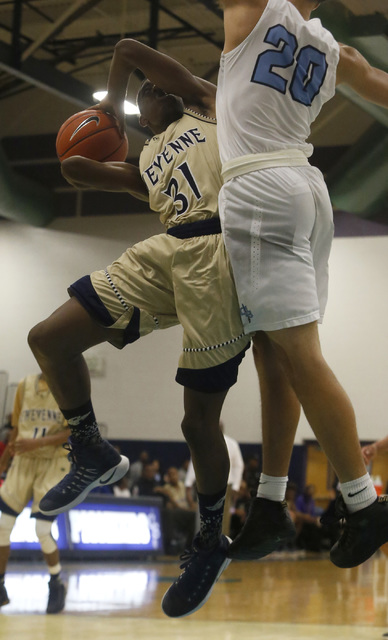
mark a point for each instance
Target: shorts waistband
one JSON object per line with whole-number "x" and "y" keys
{"x": 256, "y": 161}
{"x": 198, "y": 228}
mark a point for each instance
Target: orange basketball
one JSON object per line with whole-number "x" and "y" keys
{"x": 92, "y": 134}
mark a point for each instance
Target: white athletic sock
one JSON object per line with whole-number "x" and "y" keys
{"x": 272, "y": 487}
{"x": 359, "y": 493}
{"x": 55, "y": 569}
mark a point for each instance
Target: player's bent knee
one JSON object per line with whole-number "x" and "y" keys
{"x": 37, "y": 339}
{"x": 7, "y": 523}
{"x": 43, "y": 532}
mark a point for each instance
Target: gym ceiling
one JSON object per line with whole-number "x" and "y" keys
{"x": 55, "y": 53}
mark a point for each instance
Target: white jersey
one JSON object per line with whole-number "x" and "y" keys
{"x": 273, "y": 85}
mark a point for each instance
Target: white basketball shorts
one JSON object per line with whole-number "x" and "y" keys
{"x": 278, "y": 228}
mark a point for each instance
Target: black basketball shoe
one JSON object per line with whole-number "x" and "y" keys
{"x": 57, "y": 596}
{"x": 3, "y": 594}
{"x": 267, "y": 528}
{"x": 363, "y": 533}
{"x": 93, "y": 465}
{"x": 201, "y": 570}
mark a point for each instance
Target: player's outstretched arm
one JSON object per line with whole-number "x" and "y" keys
{"x": 356, "y": 72}
{"x": 370, "y": 451}
{"x": 163, "y": 71}
{"x": 240, "y": 17}
{"x": 83, "y": 173}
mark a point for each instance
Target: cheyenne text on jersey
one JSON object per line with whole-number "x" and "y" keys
{"x": 189, "y": 138}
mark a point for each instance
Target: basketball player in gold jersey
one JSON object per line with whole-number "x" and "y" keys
{"x": 182, "y": 276}
{"x": 39, "y": 430}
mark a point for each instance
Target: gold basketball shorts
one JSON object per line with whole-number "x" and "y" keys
{"x": 168, "y": 280}
{"x": 30, "y": 478}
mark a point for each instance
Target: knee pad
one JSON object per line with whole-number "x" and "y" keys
{"x": 7, "y": 523}
{"x": 43, "y": 532}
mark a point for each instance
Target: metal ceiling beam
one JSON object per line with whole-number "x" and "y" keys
{"x": 43, "y": 75}
{"x": 358, "y": 181}
{"x": 154, "y": 24}
{"x": 340, "y": 21}
{"x": 212, "y": 5}
{"x": 23, "y": 200}
{"x": 200, "y": 33}
{"x": 69, "y": 16}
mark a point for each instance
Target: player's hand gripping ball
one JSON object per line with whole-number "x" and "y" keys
{"x": 92, "y": 134}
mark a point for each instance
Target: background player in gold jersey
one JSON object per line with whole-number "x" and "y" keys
{"x": 182, "y": 276}
{"x": 39, "y": 461}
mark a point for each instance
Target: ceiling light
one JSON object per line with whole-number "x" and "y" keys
{"x": 129, "y": 107}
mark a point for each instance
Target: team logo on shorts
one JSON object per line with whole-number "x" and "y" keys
{"x": 244, "y": 311}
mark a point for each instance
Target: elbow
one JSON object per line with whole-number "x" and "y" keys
{"x": 71, "y": 167}
{"x": 127, "y": 49}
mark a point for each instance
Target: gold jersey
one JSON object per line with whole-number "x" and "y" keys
{"x": 36, "y": 415}
{"x": 182, "y": 170}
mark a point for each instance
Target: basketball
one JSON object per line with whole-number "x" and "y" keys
{"x": 92, "y": 134}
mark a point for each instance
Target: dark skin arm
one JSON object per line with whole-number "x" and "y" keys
{"x": 163, "y": 71}
{"x": 166, "y": 73}
{"x": 83, "y": 173}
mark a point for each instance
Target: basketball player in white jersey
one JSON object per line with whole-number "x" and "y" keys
{"x": 182, "y": 276}
{"x": 39, "y": 461}
{"x": 277, "y": 69}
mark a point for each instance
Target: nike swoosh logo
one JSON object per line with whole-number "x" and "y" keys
{"x": 351, "y": 495}
{"x": 217, "y": 506}
{"x": 95, "y": 119}
{"x": 74, "y": 422}
{"x": 110, "y": 478}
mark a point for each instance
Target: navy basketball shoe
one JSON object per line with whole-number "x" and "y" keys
{"x": 57, "y": 596}
{"x": 201, "y": 570}
{"x": 93, "y": 465}
{"x": 267, "y": 528}
{"x": 3, "y": 594}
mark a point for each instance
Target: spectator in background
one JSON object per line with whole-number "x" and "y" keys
{"x": 121, "y": 488}
{"x": 305, "y": 502}
{"x": 234, "y": 480}
{"x": 252, "y": 473}
{"x": 178, "y": 515}
{"x": 136, "y": 468}
{"x": 241, "y": 509}
{"x": 308, "y": 527}
{"x": 182, "y": 471}
{"x": 147, "y": 483}
{"x": 158, "y": 474}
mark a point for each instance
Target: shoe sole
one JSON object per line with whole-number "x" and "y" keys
{"x": 351, "y": 563}
{"x": 224, "y": 565}
{"x": 109, "y": 477}
{"x": 264, "y": 550}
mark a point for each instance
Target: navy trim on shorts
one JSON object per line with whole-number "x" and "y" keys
{"x": 6, "y": 509}
{"x": 208, "y": 227}
{"x": 132, "y": 330}
{"x": 85, "y": 293}
{"x": 40, "y": 516}
{"x": 213, "y": 379}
